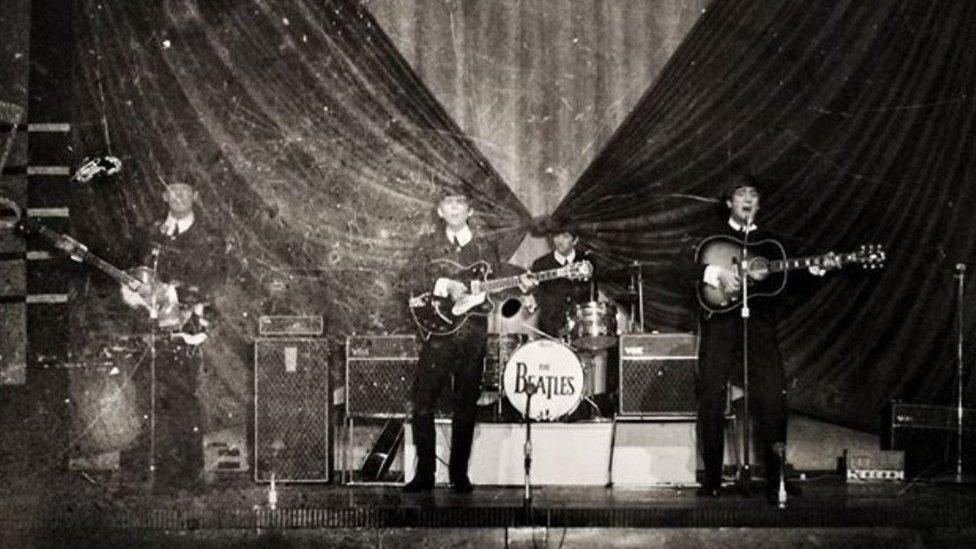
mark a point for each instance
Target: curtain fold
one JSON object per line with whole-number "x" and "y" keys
{"x": 318, "y": 154}
{"x": 858, "y": 117}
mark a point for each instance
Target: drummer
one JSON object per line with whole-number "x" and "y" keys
{"x": 557, "y": 298}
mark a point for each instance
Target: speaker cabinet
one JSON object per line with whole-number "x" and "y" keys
{"x": 657, "y": 374}
{"x": 928, "y": 436}
{"x": 380, "y": 370}
{"x": 291, "y": 410}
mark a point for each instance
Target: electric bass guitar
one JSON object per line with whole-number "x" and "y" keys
{"x": 157, "y": 296}
{"x": 442, "y": 315}
{"x": 765, "y": 267}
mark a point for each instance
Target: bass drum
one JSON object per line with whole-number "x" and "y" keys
{"x": 556, "y": 372}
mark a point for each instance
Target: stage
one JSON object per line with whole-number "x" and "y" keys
{"x": 79, "y": 508}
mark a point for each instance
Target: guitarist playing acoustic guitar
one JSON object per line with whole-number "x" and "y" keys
{"x": 720, "y": 346}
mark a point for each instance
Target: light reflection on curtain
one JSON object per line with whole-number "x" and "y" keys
{"x": 318, "y": 155}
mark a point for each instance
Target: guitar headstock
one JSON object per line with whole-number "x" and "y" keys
{"x": 870, "y": 256}
{"x": 580, "y": 270}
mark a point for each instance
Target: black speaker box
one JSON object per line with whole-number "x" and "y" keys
{"x": 657, "y": 374}
{"x": 929, "y": 437}
{"x": 291, "y": 410}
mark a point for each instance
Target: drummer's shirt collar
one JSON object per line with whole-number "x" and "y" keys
{"x": 564, "y": 259}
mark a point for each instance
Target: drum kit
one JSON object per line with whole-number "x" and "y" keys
{"x": 567, "y": 371}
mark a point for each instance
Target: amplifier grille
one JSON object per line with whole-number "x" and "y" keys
{"x": 657, "y": 374}
{"x": 291, "y": 416}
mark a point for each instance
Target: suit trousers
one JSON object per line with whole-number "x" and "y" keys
{"x": 459, "y": 356}
{"x": 720, "y": 361}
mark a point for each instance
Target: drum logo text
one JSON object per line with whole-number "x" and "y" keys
{"x": 547, "y": 385}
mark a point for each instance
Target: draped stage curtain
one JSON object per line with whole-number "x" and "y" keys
{"x": 318, "y": 154}
{"x": 858, "y": 118}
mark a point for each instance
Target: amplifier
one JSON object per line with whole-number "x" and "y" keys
{"x": 288, "y": 325}
{"x": 382, "y": 347}
{"x": 927, "y": 434}
{"x": 863, "y": 465}
{"x": 657, "y": 374}
{"x": 379, "y": 374}
{"x": 925, "y": 416}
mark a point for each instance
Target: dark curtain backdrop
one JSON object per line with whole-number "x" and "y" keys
{"x": 858, "y": 117}
{"x": 318, "y": 154}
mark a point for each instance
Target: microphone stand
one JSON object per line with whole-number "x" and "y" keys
{"x": 153, "y": 316}
{"x": 530, "y": 389}
{"x": 960, "y": 279}
{"x": 745, "y": 472}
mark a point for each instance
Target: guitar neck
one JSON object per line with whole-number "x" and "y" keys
{"x": 789, "y": 264}
{"x": 119, "y": 275}
{"x": 509, "y": 282}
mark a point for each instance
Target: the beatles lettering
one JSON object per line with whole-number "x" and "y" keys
{"x": 548, "y": 385}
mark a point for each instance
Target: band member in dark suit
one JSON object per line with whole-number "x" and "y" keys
{"x": 187, "y": 262}
{"x": 556, "y": 298}
{"x": 720, "y": 350}
{"x": 459, "y": 354}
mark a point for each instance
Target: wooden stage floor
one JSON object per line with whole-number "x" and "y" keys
{"x": 825, "y": 501}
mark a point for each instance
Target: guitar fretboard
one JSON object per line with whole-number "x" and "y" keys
{"x": 781, "y": 265}
{"x": 501, "y": 284}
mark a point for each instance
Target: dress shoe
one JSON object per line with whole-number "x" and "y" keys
{"x": 418, "y": 485}
{"x": 462, "y": 486}
{"x": 707, "y": 491}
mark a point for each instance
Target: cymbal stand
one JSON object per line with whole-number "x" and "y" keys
{"x": 637, "y": 285}
{"x": 640, "y": 293}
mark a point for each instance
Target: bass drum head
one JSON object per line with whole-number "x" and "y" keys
{"x": 551, "y": 366}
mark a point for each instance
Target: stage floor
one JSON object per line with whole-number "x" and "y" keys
{"x": 93, "y": 503}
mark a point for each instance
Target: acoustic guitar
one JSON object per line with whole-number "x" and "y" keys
{"x": 765, "y": 267}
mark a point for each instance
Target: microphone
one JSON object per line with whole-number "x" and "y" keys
{"x": 530, "y": 388}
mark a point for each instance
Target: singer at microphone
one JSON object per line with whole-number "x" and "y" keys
{"x": 721, "y": 344}
{"x": 182, "y": 263}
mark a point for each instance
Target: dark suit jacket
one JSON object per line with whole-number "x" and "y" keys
{"x": 556, "y": 298}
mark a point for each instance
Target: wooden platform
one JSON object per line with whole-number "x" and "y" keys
{"x": 76, "y": 508}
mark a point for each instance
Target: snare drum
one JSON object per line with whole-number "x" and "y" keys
{"x": 556, "y": 372}
{"x": 594, "y": 325}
